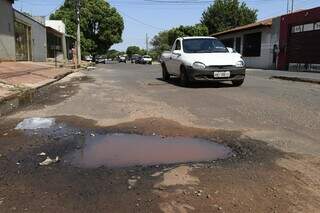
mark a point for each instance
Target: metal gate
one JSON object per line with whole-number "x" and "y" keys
{"x": 303, "y": 48}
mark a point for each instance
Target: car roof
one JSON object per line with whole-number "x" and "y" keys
{"x": 197, "y": 37}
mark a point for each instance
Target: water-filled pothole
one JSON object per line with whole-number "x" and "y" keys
{"x": 125, "y": 150}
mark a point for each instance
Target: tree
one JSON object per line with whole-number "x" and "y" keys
{"x": 181, "y": 31}
{"x": 131, "y": 50}
{"x": 113, "y": 54}
{"x": 160, "y": 42}
{"x": 101, "y": 25}
{"x": 143, "y": 52}
{"x": 225, "y": 14}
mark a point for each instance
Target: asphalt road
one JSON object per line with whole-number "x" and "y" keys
{"x": 272, "y": 124}
{"x": 284, "y": 113}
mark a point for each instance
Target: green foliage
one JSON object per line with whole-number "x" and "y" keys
{"x": 196, "y": 30}
{"x": 160, "y": 41}
{"x": 132, "y": 50}
{"x": 225, "y": 14}
{"x": 143, "y": 52}
{"x": 113, "y": 53}
{"x": 154, "y": 55}
{"x": 165, "y": 39}
{"x": 101, "y": 24}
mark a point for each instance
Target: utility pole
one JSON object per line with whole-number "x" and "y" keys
{"x": 290, "y": 10}
{"x": 78, "y": 34}
{"x": 292, "y": 6}
{"x": 147, "y": 43}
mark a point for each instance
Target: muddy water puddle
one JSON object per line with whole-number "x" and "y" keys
{"x": 124, "y": 150}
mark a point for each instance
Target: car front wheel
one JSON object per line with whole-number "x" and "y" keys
{"x": 165, "y": 74}
{"x": 237, "y": 83}
{"x": 184, "y": 81}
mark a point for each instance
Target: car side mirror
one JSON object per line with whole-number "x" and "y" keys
{"x": 230, "y": 50}
{"x": 177, "y": 52}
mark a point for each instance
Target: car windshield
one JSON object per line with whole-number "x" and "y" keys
{"x": 203, "y": 46}
{"x": 146, "y": 56}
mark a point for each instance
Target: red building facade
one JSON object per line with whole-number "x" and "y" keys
{"x": 299, "y": 41}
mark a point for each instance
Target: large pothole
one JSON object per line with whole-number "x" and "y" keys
{"x": 124, "y": 150}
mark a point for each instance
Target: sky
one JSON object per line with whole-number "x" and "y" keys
{"x": 148, "y": 17}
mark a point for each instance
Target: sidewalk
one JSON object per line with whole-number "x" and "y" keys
{"x": 19, "y": 77}
{"x": 308, "y": 77}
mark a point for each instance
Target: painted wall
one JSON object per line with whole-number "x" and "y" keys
{"x": 38, "y": 36}
{"x": 297, "y": 18}
{"x": 7, "y": 42}
{"x": 269, "y": 38}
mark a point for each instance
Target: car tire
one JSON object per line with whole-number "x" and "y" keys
{"x": 165, "y": 74}
{"x": 237, "y": 83}
{"x": 184, "y": 80}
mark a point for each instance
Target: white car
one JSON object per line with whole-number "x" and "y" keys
{"x": 146, "y": 60}
{"x": 202, "y": 59}
{"x": 122, "y": 59}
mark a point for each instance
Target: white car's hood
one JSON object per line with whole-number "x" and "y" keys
{"x": 213, "y": 59}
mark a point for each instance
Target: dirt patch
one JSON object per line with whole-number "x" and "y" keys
{"x": 250, "y": 181}
{"x": 178, "y": 176}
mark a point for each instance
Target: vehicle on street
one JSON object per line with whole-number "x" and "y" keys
{"x": 122, "y": 59}
{"x": 202, "y": 59}
{"x": 134, "y": 58}
{"x": 100, "y": 59}
{"x": 88, "y": 58}
{"x": 146, "y": 59}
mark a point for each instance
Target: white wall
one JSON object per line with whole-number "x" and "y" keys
{"x": 58, "y": 25}
{"x": 7, "y": 42}
{"x": 269, "y": 37}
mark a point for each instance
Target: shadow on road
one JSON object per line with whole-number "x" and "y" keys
{"x": 197, "y": 85}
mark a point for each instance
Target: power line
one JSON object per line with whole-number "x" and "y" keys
{"x": 52, "y": 11}
{"x": 140, "y": 22}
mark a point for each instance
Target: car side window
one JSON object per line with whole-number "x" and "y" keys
{"x": 178, "y": 45}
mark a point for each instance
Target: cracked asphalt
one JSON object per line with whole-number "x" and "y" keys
{"x": 272, "y": 125}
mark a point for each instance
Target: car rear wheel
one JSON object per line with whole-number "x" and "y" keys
{"x": 237, "y": 83}
{"x": 184, "y": 81}
{"x": 165, "y": 74}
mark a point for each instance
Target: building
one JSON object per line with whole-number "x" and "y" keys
{"x": 30, "y": 38}
{"x": 258, "y": 42}
{"x": 27, "y": 38}
{"x": 290, "y": 42}
{"x": 300, "y": 41}
{"x": 21, "y": 37}
{"x": 7, "y": 47}
{"x": 57, "y": 38}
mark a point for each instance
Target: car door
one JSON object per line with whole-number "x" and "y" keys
{"x": 175, "y": 60}
{"x": 169, "y": 60}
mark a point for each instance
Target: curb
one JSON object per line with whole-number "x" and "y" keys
{"x": 13, "y": 101}
{"x": 296, "y": 79}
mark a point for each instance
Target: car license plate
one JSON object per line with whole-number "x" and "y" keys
{"x": 221, "y": 74}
